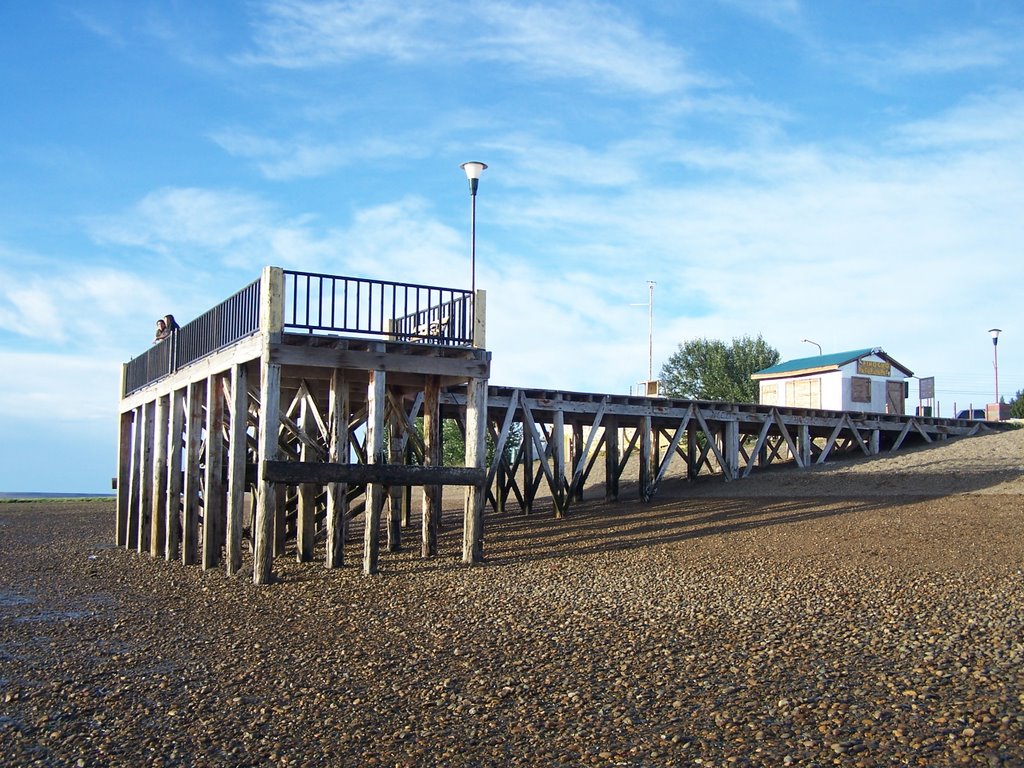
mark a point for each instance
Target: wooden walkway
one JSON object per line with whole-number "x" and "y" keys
{"x": 282, "y": 414}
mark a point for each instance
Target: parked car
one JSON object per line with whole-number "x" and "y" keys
{"x": 976, "y": 413}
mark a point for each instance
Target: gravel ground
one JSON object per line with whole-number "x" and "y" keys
{"x": 864, "y": 613}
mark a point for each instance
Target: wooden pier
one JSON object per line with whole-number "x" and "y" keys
{"x": 305, "y": 400}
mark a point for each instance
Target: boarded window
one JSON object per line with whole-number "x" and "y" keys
{"x": 769, "y": 394}
{"x": 860, "y": 389}
{"x": 804, "y": 393}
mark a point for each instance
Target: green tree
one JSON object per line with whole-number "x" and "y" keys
{"x": 1017, "y": 405}
{"x": 709, "y": 369}
{"x": 453, "y": 444}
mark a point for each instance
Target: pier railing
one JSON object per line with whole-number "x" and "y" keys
{"x": 314, "y": 304}
{"x": 317, "y": 303}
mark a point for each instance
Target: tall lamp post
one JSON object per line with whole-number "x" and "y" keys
{"x": 995, "y": 359}
{"x": 473, "y": 170}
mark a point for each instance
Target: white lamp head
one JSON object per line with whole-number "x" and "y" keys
{"x": 473, "y": 170}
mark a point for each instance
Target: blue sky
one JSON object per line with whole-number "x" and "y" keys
{"x": 847, "y": 172}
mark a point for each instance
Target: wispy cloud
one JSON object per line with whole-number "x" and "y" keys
{"x": 307, "y": 157}
{"x": 986, "y": 121}
{"x": 785, "y": 14}
{"x": 74, "y": 308}
{"x": 587, "y": 41}
{"x": 948, "y": 52}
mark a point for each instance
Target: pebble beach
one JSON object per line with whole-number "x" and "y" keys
{"x": 868, "y": 612}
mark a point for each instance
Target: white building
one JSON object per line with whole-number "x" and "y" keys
{"x": 863, "y": 380}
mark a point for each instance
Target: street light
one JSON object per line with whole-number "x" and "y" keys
{"x": 473, "y": 170}
{"x": 808, "y": 341}
{"x": 995, "y": 359}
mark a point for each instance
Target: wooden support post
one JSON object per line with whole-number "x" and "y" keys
{"x": 157, "y": 530}
{"x": 731, "y": 449}
{"x": 476, "y": 457}
{"x": 431, "y": 458}
{"x": 271, "y": 324}
{"x": 213, "y": 486}
{"x": 646, "y": 455}
{"x": 305, "y": 513}
{"x": 376, "y": 396}
{"x": 611, "y": 460}
{"x": 576, "y": 457}
{"x": 558, "y": 494}
{"x": 135, "y": 492}
{"x": 804, "y": 438}
{"x": 237, "y": 451}
{"x": 193, "y": 445}
{"x": 267, "y": 450}
{"x": 280, "y": 518}
{"x": 395, "y": 493}
{"x": 175, "y": 480}
{"x": 875, "y": 441}
{"x": 529, "y": 470}
{"x": 480, "y": 319}
{"x": 124, "y": 479}
{"x": 338, "y": 453}
{"x": 692, "y": 452}
{"x": 146, "y": 478}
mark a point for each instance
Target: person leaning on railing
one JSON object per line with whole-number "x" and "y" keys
{"x": 165, "y": 326}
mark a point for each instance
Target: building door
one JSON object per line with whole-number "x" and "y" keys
{"x": 894, "y": 400}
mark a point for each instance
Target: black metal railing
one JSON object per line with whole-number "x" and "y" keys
{"x": 317, "y": 303}
{"x": 231, "y": 320}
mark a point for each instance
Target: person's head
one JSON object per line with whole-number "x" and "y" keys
{"x": 169, "y": 321}
{"x": 161, "y": 324}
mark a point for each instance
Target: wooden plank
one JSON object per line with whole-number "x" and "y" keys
{"x": 124, "y": 481}
{"x": 146, "y": 478}
{"x": 338, "y": 453}
{"x": 238, "y": 407}
{"x": 381, "y": 361}
{"x": 758, "y": 446}
{"x": 175, "y": 480}
{"x": 193, "y": 446}
{"x": 611, "y": 459}
{"x": 784, "y": 431}
{"x": 306, "y": 491}
{"x": 644, "y": 481}
{"x": 502, "y": 439}
{"x": 396, "y": 457}
{"x": 214, "y": 489}
{"x": 556, "y": 442}
{"x": 432, "y": 458}
{"x": 579, "y": 475}
{"x": 476, "y": 458}
{"x": 376, "y": 404}
{"x": 712, "y": 442}
{"x": 673, "y": 447}
{"x": 158, "y": 532}
{"x": 266, "y": 496}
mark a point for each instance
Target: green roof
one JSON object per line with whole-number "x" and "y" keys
{"x": 834, "y": 360}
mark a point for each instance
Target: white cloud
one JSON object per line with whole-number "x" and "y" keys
{"x": 72, "y": 308}
{"x": 307, "y": 157}
{"x": 301, "y": 34}
{"x": 588, "y": 41}
{"x": 582, "y": 40}
{"x": 66, "y": 388}
{"x": 987, "y": 121}
{"x": 951, "y": 52}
